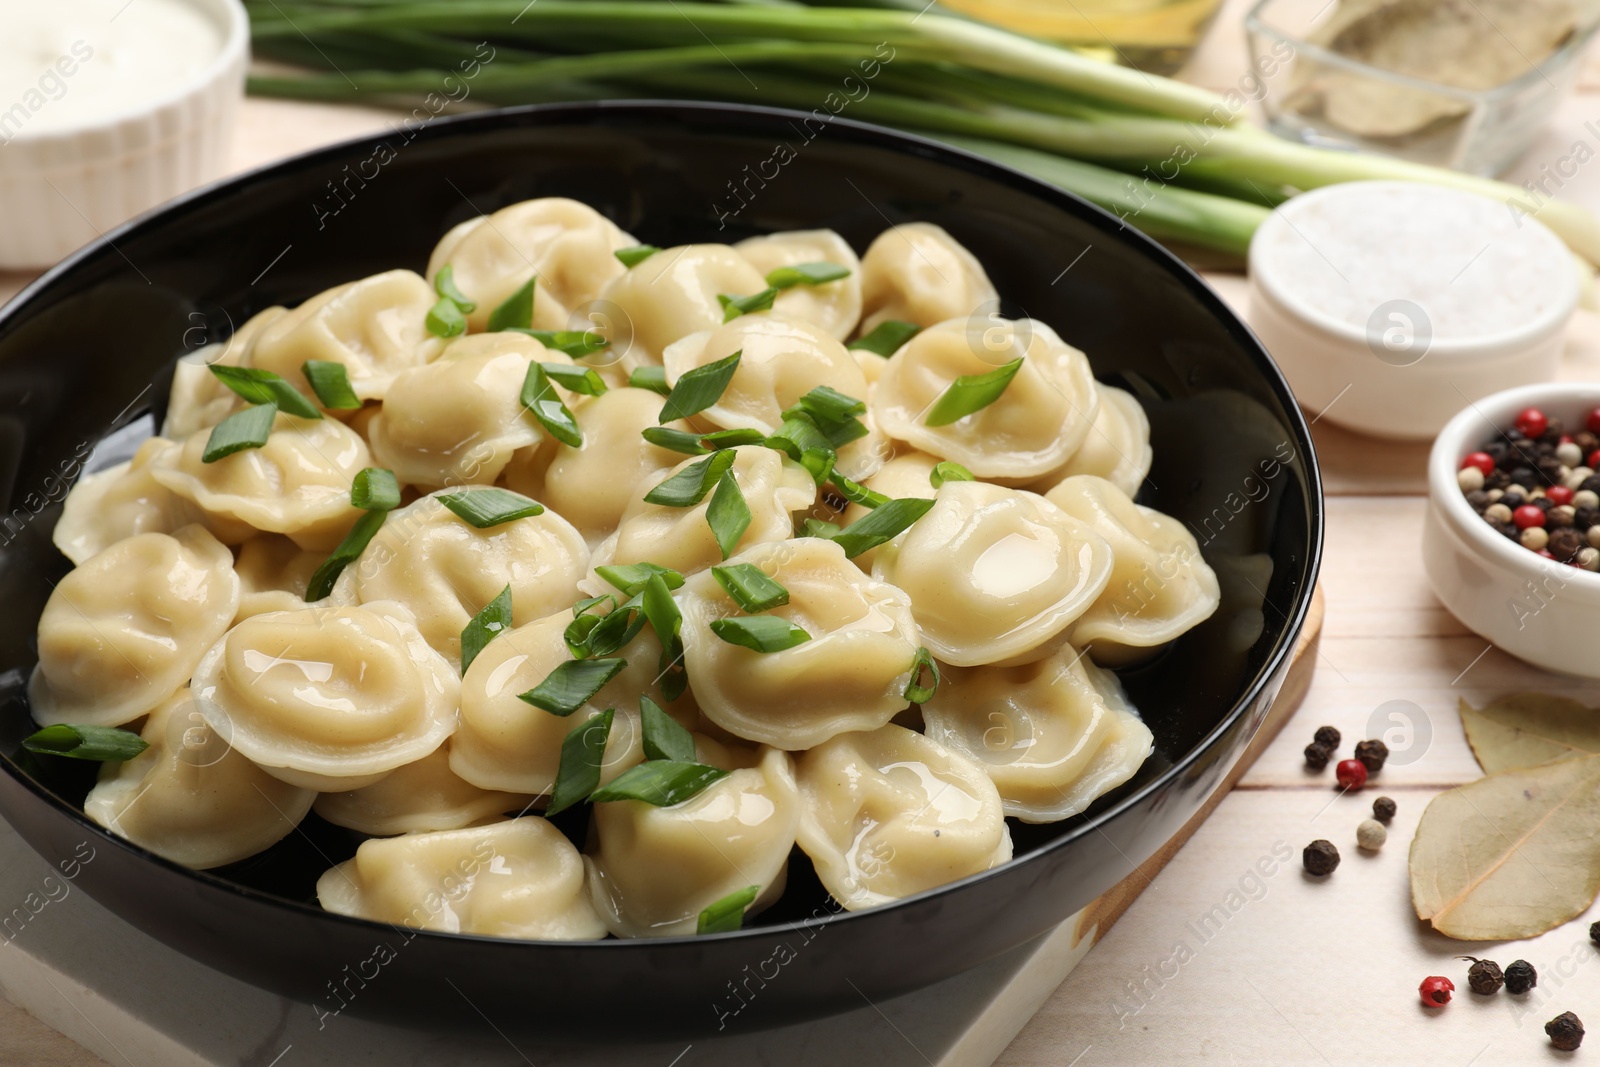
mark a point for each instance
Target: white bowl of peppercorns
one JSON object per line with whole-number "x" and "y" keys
{"x": 1511, "y": 542}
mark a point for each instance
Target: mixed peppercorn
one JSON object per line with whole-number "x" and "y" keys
{"x": 1537, "y": 485}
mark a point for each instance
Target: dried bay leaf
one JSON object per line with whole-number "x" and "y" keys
{"x": 1511, "y": 855}
{"x": 1528, "y": 729}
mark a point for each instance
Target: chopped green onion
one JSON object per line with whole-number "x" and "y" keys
{"x": 264, "y": 387}
{"x": 760, "y": 633}
{"x": 486, "y": 625}
{"x": 857, "y": 493}
{"x": 444, "y": 283}
{"x": 631, "y": 578}
{"x": 540, "y": 397}
{"x": 660, "y": 782}
{"x": 818, "y": 463}
{"x": 575, "y": 343}
{"x": 103, "y": 744}
{"x": 572, "y": 684}
{"x": 375, "y": 489}
{"x": 690, "y": 485}
{"x": 886, "y": 522}
{"x": 583, "y": 380}
{"x": 915, "y": 692}
{"x": 445, "y": 319}
{"x": 750, "y": 586}
{"x": 732, "y": 438}
{"x": 971, "y": 392}
{"x": 241, "y": 430}
{"x": 583, "y": 753}
{"x": 807, "y": 274}
{"x": 887, "y": 337}
{"x": 588, "y": 604}
{"x": 728, "y": 514}
{"x": 578, "y": 633}
{"x": 698, "y": 389}
{"x": 734, "y": 306}
{"x": 632, "y": 257}
{"x": 833, "y": 413}
{"x": 727, "y": 914}
{"x": 797, "y": 435}
{"x": 484, "y": 508}
{"x": 820, "y": 528}
{"x": 651, "y": 378}
{"x": 675, "y": 440}
{"x": 947, "y": 471}
{"x": 331, "y": 382}
{"x": 516, "y": 311}
{"x": 666, "y": 620}
{"x": 594, "y": 636}
{"x": 349, "y": 550}
{"x": 664, "y": 736}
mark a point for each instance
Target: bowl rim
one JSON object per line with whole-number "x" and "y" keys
{"x": 735, "y": 115}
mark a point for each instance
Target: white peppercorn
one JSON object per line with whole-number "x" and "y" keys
{"x": 1535, "y": 538}
{"x": 1470, "y": 479}
{"x": 1578, "y": 476}
{"x": 1500, "y": 514}
{"x": 1589, "y": 559}
{"x": 1570, "y": 454}
{"x": 1594, "y": 535}
{"x": 1371, "y": 835}
{"x": 1586, "y": 499}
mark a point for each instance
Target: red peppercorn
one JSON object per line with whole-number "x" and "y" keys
{"x": 1436, "y": 991}
{"x": 1482, "y": 460}
{"x": 1533, "y": 423}
{"x": 1528, "y": 515}
{"x": 1594, "y": 460}
{"x": 1593, "y": 421}
{"x": 1352, "y": 774}
{"x": 1558, "y": 495}
{"x": 1547, "y": 554}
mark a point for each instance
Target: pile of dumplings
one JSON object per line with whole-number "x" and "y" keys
{"x": 185, "y": 618}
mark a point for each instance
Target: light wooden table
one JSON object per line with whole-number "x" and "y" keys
{"x": 1215, "y": 963}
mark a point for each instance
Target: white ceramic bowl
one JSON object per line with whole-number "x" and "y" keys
{"x": 1534, "y": 608}
{"x": 63, "y": 188}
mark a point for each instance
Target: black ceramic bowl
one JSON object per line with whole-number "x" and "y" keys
{"x": 79, "y": 351}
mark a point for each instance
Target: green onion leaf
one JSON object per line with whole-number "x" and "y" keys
{"x": 818, "y": 463}
{"x": 698, "y": 389}
{"x": 947, "y": 471}
{"x": 515, "y": 312}
{"x": 588, "y": 604}
{"x": 651, "y": 378}
{"x": 584, "y": 380}
{"x": 806, "y": 274}
{"x": 349, "y": 550}
{"x": 103, "y": 744}
{"x": 728, "y": 514}
{"x": 750, "y": 586}
{"x": 486, "y": 625}
{"x": 797, "y": 435}
{"x": 886, "y": 522}
{"x": 484, "y": 508}
{"x": 727, "y": 914}
{"x": 331, "y": 382}
{"x": 915, "y": 692}
{"x": 690, "y": 485}
{"x": 734, "y": 306}
{"x": 760, "y": 633}
{"x": 632, "y": 257}
{"x": 583, "y": 752}
{"x": 575, "y": 343}
{"x": 674, "y": 440}
{"x": 971, "y": 392}
{"x": 445, "y": 319}
{"x": 375, "y": 489}
{"x": 572, "y": 684}
{"x": 241, "y": 430}
{"x": 595, "y": 636}
{"x": 578, "y": 633}
{"x": 887, "y": 337}
{"x": 666, "y": 620}
{"x": 660, "y": 782}
{"x": 541, "y": 398}
{"x": 825, "y": 405}
{"x": 444, "y": 283}
{"x": 664, "y": 736}
{"x": 264, "y": 387}
{"x": 732, "y": 438}
{"x": 820, "y": 528}
{"x": 857, "y": 493}
{"x": 631, "y": 578}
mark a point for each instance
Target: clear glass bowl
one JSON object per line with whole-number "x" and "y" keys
{"x": 1319, "y": 97}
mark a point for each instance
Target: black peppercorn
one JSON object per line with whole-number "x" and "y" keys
{"x": 1497, "y": 450}
{"x": 1328, "y": 736}
{"x": 1587, "y": 442}
{"x": 1320, "y": 858}
{"x": 1513, "y": 499}
{"x": 1478, "y": 500}
{"x": 1514, "y": 436}
{"x": 1526, "y": 477}
{"x": 1521, "y": 977}
{"x": 1583, "y": 518}
{"x": 1383, "y": 809}
{"x": 1564, "y": 544}
{"x": 1566, "y": 1032}
{"x": 1317, "y": 756}
{"x": 1372, "y": 754}
{"x": 1496, "y": 479}
{"x": 1594, "y": 933}
{"x": 1591, "y": 483}
{"x": 1484, "y": 976}
{"x": 1552, "y": 430}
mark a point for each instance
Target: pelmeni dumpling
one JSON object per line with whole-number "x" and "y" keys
{"x": 904, "y": 473}
{"x": 918, "y": 273}
{"x": 118, "y": 502}
{"x": 566, "y": 246}
{"x": 122, "y": 632}
{"x": 192, "y": 799}
{"x": 652, "y": 870}
{"x": 376, "y": 327}
{"x": 422, "y": 796}
{"x": 297, "y": 484}
{"x": 1117, "y": 448}
{"x": 889, "y": 813}
{"x": 445, "y": 570}
{"x": 519, "y": 878}
{"x": 1160, "y": 585}
{"x": 328, "y": 698}
{"x": 1032, "y": 428}
{"x": 832, "y": 306}
{"x": 198, "y": 400}
{"x": 1047, "y": 737}
{"x": 273, "y": 575}
{"x": 773, "y": 485}
{"x": 851, "y": 675}
{"x": 781, "y": 360}
{"x": 995, "y": 575}
{"x": 671, "y": 295}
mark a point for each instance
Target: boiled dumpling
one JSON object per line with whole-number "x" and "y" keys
{"x": 1047, "y": 737}
{"x": 274, "y": 573}
{"x": 889, "y": 813}
{"x": 652, "y": 870}
{"x": 1032, "y": 428}
{"x": 995, "y": 575}
{"x": 671, "y": 295}
{"x": 118, "y": 502}
{"x": 329, "y": 698}
{"x": 198, "y": 400}
{"x": 851, "y": 674}
{"x": 297, "y": 484}
{"x": 905, "y": 474}
{"x": 1117, "y": 448}
{"x": 376, "y": 327}
{"x": 918, "y": 273}
{"x": 445, "y": 570}
{"x": 519, "y": 879}
{"x": 422, "y": 796}
{"x": 192, "y": 799}
{"x": 121, "y": 634}
{"x": 833, "y": 306}
{"x": 1160, "y": 585}
{"x": 567, "y": 246}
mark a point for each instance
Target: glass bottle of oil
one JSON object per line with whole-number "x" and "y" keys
{"x": 1153, "y": 35}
